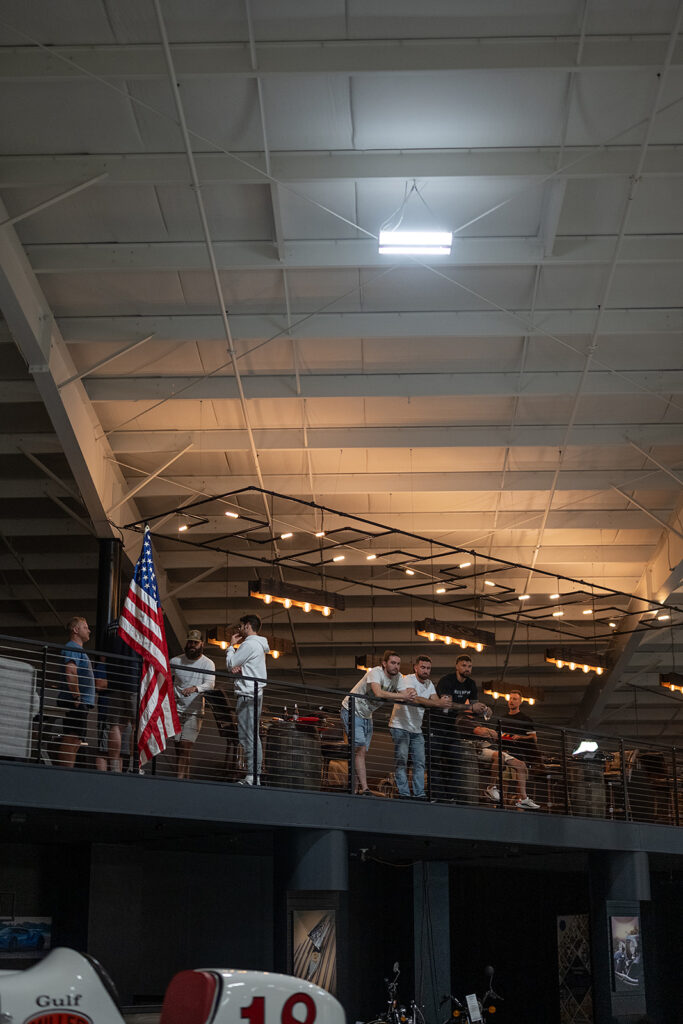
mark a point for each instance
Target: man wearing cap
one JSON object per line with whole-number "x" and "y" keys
{"x": 193, "y": 673}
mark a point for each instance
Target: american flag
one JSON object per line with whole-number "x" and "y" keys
{"x": 141, "y": 626}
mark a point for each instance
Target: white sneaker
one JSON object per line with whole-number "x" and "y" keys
{"x": 527, "y": 802}
{"x": 493, "y": 793}
{"x": 248, "y": 780}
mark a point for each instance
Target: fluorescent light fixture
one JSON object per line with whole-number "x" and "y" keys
{"x": 464, "y": 565}
{"x": 415, "y": 243}
{"x": 587, "y": 611}
{"x": 489, "y": 583}
{"x": 370, "y": 558}
{"x": 338, "y": 558}
{"x": 585, "y": 747}
{"x": 320, "y": 533}
{"x": 663, "y": 617}
{"x": 232, "y": 515}
{"x": 553, "y": 597}
{"x": 286, "y": 536}
{"x": 524, "y": 597}
{"x": 410, "y": 572}
{"x": 613, "y": 625}
{"x": 558, "y": 615}
{"x": 441, "y": 590}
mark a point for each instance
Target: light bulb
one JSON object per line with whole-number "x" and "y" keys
{"x": 495, "y": 695}
{"x": 287, "y": 603}
{"x": 307, "y": 607}
{"x": 559, "y": 663}
{"x": 599, "y": 670}
{"x": 613, "y": 625}
{"x": 480, "y": 648}
{"x": 326, "y": 611}
{"x": 532, "y": 701}
{"x": 182, "y": 528}
{"x": 463, "y": 644}
{"x": 224, "y": 645}
{"x": 410, "y": 572}
{"x": 267, "y": 599}
{"x": 432, "y": 637}
{"x": 572, "y": 666}
{"x": 586, "y": 668}
{"x": 448, "y": 640}
{"x": 276, "y": 654}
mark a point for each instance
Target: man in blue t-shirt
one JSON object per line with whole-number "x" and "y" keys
{"x": 77, "y": 690}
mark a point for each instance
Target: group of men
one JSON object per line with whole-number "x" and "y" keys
{"x": 114, "y": 688}
{"x": 457, "y": 717}
{"x": 457, "y": 722}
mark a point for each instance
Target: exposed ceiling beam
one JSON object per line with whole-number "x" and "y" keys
{"x": 338, "y": 165}
{"x": 447, "y": 324}
{"x": 568, "y": 251}
{"x": 660, "y": 578}
{"x": 337, "y": 56}
{"x": 374, "y": 385}
{"x": 77, "y": 428}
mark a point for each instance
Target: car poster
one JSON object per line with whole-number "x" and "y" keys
{"x": 24, "y": 938}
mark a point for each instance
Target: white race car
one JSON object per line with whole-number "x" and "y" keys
{"x": 72, "y": 988}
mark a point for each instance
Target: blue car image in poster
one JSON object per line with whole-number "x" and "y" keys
{"x": 22, "y": 936}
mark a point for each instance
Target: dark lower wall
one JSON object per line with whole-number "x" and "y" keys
{"x": 157, "y": 911}
{"x": 508, "y": 918}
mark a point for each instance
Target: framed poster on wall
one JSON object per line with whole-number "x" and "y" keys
{"x": 312, "y": 941}
{"x": 627, "y": 954}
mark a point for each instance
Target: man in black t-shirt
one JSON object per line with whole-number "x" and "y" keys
{"x": 446, "y": 748}
{"x": 519, "y": 735}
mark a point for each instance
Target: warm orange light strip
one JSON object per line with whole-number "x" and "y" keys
{"x": 290, "y": 602}
{"x": 450, "y": 640}
{"x": 223, "y": 644}
{"x": 571, "y": 665}
{"x": 496, "y": 695}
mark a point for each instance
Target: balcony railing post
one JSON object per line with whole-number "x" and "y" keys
{"x": 565, "y": 774}
{"x": 255, "y": 737}
{"x": 352, "y": 744}
{"x": 41, "y": 707}
{"x": 428, "y": 754}
{"x": 499, "y": 730}
{"x": 624, "y": 781}
{"x": 674, "y": 766}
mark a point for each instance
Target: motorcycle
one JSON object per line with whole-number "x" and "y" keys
{"x": 67, "y": 987}
{"x": 475, "y": 1010}
{"x": 396, "y": 1012}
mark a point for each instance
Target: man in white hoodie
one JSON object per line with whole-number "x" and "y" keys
{"x": 248, "y": 665}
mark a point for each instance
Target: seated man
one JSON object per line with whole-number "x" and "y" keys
{"x": 469, "y": 725}
{"x": 519, "y": 735}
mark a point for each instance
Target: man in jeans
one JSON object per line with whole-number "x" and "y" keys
{"x": 405, "y": 726}
{"x": 248, "y": 665}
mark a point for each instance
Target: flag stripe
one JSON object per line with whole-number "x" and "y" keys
{"x": 141, "y": 626}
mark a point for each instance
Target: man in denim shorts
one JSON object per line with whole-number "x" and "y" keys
{"x": 379, "y": 683}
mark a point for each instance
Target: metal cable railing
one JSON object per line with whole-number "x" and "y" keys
{"x": 302, "y": 743}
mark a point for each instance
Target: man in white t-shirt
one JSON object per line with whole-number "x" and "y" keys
{"x": 405, "y": 726}
{"x": 379, "y": 683}
{"x": 193, "y": 674}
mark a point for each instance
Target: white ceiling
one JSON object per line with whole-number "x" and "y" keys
{"x": 522, "y": 397}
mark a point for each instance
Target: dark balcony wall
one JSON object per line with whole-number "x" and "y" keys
{"x": 157, "y": 911}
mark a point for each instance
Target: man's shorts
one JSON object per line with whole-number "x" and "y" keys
{"x": 122, "y": 706}
{"x": 75, "y": 722}
{"x": 362, "y": 728}
{"x": 490, "y": 753}
{"x": 190, "y": 727}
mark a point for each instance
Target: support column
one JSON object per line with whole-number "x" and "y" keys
{"x": 108, "y": 588}
{"x": 619, "y": 883}
{"x": 431, "y": 936}
{"x": 312, "y": 935}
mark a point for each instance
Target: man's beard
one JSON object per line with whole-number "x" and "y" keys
{"x": 192, "y": 654}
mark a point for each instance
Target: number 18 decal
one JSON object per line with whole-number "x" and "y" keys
{"x": 255, "y": 1013}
